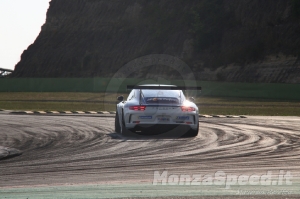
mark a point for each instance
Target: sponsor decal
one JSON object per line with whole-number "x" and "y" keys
{"x": 145, "y": 117}
{"x": 163, "y": 108}
{"x": 183, "y": 117}
{"x": 161, "y": 99}
{"x": 163, "y": 119}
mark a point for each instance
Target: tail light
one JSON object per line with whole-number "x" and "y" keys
{"x": 187, "y": 109}
{"x": 137, "y": 108}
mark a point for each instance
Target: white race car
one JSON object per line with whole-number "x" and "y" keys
{"x": 155, "y": 109}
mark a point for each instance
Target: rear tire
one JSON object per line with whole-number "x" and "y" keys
{"x": 193, "y": 132}
{"x": 117, "y": 123}
{"x": 124, "y": 131}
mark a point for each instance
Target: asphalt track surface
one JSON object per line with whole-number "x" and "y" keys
{"x": 84, "y": 157}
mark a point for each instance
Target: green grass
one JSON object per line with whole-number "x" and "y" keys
{"x": 247, "y": 106}
{"x": 100, "y": 85}
{"x": 57, "y": 101}
{"x": 98, "y": 102}
{"x": 57, "y": 96}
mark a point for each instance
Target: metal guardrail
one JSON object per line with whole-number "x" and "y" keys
{"x": 4, "y": 72}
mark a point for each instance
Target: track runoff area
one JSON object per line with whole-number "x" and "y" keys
{"x": 82, "y": 157}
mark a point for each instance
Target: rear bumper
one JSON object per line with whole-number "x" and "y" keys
{"x": 156, "y": 129}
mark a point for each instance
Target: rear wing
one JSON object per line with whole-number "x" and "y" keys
{"x": 130, "y": 87}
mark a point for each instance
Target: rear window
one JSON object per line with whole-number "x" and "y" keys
{"x": 161, "y": 96}
{"x": 161, "y": 100}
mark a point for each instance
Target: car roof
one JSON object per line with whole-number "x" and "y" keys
{"x": 158, "y": 85}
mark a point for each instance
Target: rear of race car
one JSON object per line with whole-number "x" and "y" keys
{"x": 158, "y": 119}
{"x": 161, "y": 111}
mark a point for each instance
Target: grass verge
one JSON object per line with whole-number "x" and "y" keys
{"x": 100, "y": 102}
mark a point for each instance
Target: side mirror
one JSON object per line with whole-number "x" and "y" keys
{"x": 191, "y": 99}
{"x": 120, "y": 98}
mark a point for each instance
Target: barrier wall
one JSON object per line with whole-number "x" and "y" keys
{"x": 221, "y": 89}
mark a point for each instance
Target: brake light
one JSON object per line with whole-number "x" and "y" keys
{"x": 187, "y": 109}
{"x": 137, "y": 108}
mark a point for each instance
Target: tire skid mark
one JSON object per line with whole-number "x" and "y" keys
{"x": 81, "y": 149}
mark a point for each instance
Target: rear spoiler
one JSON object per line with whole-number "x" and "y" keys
{"x": 130, "y": 87}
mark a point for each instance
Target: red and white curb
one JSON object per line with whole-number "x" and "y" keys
{"x": 104, "y": 112}
{"x": 63, "y": 112}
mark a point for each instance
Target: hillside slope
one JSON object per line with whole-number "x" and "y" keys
{"x": 249, "y": 40}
